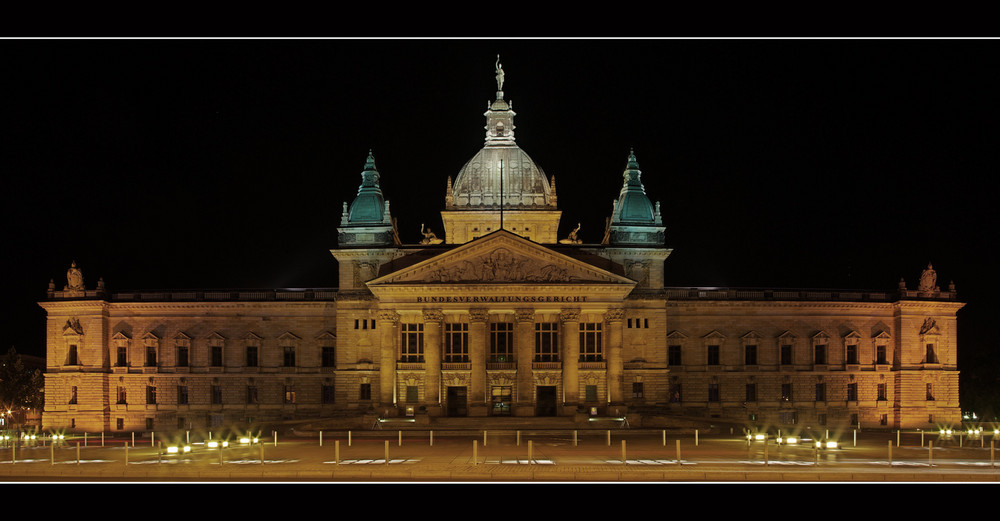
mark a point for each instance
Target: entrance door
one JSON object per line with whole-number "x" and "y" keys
{"x": 502, "y": 398}
{"x": 457, "y": 401}
{"x": 546, "y": 400}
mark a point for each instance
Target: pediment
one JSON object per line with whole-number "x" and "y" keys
{"x": 182, "y": 336}
{"x": 251, "y": 336}
{"x": 501, "y": 258}
{"x": 326, "y": 335}
{"x": 883, "y": 335}
{"x": 853, "y": 335}
{"x": 714, "y": 334}
{"x": 289, "y": 336}
{"x": 677, "y": 335}
{"x": 821, "y": 336}
{"x": 787, "y": 335}
{"x": 752, "y": 335}
{"x": 150, "y": 336}
{"x": 120, "y": 336}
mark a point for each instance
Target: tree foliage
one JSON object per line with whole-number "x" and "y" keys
{"x": 20, "y": 388}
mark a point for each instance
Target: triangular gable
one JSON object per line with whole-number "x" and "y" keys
{"x": 326, "y": 335}
{"x": 787, "y": 335}
{"x": 287, "y": 335}
{"x": 181, "y": 336}
{"x": 216, "y": 336}
{"x": 821, "y": 336}
{"x": 853, "y": 335}
{"x": 714, "y": 335}
{"x": 120, "y": 336}
{"x": 150, "y": 336}
{"x": 501, "y": 258}
{"x": 752, "y": 335}
{"x": 253, "y": 336}
{"x": 882, "y": 335}
{"x": 677, "y": 335}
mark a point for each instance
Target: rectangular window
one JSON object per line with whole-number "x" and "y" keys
{"x": 546, "y": 342}
{"x": 412, "y": 394}
{"x": 182, "y": 356}
{"x": 365, "y": 392}
{"x": 852, "y": 354}
{"x": 786, "y": 392}
{"x": 883, "y": 419}
{"x": 931, "y": 358}
{"x": 288, "y": 359}
{"x": 252, "y": 359}
{"x": 122, "y": 356}
{"x": 120, "y": 423}
{"x": 216, "y": 395}
{"x": 71, "y": 358}
{"x": 456, "y": 343}
{"x": 881, "y": 396}
{"x": 788, "y": 417}
{"x": 412, "y": 343}
{"x": 750, "y": 357}
{"x": 713, "y": 392}
{"x": 930, "y": 392}
{"x": 852, "y": 392}
{"x": 151, "y": 394}
{"x": 673, "y": 355}
{"x": 328, "y": 394}
{"x": 149, "y": 424}
{"x": 72, "y": 395}
{"x": 289, "y": 394}
{"x": 821, "y": 392}
{"x": 150, "y": 356}
{"x": 591, "y": 392}
{"x": 637, "y": 391}
{"x": 329, "y": 356}
{"x": 216, "y": 356}
{"x": 880, "y": 355}
{"x": 675, "y": 393}
{"x": 252, "y": 394}
{"x": 502, "y": 342}
{"x": 182, "y": 395}
{"x": 591, "y": 349}
{"x": 786, "y": 354}
{"x": 122, "y": 396}
{"x": 819, "y": 354}
{"x": 751, "y": 393}
{"x": 713, "y": 355}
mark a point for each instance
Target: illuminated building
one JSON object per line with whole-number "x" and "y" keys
{"x": 500, "y": 317}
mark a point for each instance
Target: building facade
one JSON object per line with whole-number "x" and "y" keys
{"x": 500, "y": 317}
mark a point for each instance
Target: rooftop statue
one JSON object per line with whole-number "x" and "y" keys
{"x": 499, "y": 74}
{"x": 928, "y": 279}
{"x": 74, "y": 278}
{"x": 572, "y": 238}
{"x": 429, "y": 237}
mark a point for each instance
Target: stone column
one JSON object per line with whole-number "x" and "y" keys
{"x": 477, "y": 356}
{"x": 569, "y": 335}
{"x": 615, "y": 375}
{"x": 432, "y": 357}
{"x": 525, "y": 343}
{"x": 388, "y": 354}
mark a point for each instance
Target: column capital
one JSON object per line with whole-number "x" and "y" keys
{"x": 478, "y": 314}
{"x": 570, "y": 315}
{"x": 388, "y": 315}
{"x": 615, "y": 315}
{"x": 433, "y": 315}
{"x": 524, "y": 315}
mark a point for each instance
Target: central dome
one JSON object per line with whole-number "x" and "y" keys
{"x": 478, "y": 183}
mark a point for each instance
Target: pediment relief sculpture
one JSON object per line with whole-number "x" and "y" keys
{"x": 929, "y": 326}
{"x": 73, "y": 325}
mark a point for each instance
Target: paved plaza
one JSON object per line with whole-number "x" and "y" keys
{"x": 514, "y": 456}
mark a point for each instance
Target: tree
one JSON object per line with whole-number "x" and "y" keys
{"x": 20, "y": 388}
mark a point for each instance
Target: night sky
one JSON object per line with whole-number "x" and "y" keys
{"x": 173, "y": 164}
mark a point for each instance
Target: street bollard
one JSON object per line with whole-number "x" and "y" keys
{"x": 275, "y": 438}
{"x": 78, "y": 453}
{"x": 261, "y": 453}
{"x": 855, "y": 437}
{"x": 890, "y": 452}
{"x": 152, "y": 438}
{"x": 921, "y": 438}
{"x": 133, "y": 438}
{"x": 187, "y": 436}
{"x": 960, "y": 440}
{"x": 574, "y": 438}
{"x": 126, "y": 453}
{"x": 484, "y": 438}
{"x": 678, "y": 451}
{"x": 400, "y": 438}
{"x": 159, "y": 455}
{"x": 609, "y": 438}
{"x": 827, "y": 435}
{"x": 53, "y": 455}
{"x": 84, "y": 438}
{"x": 696, "y": 437}
{"x": 518, "y": 438}
{"x": 102, "y": 438}
{"x": 348, "y": 438}
{"x": 320, "y": 438}
{"x": 930, "y": 452}
{"x": 531, "y": 452}
{"x": 992, "y": 459}
{"x": 623, "y": 453}
{"x": 475, "y": 452}
{"x": 220, "y": 455}
{"x": 336, "y": 452}
{"x": 664, "y": 437}
{"x": 387, "y": 452}
{"x": 432, "y": 439}
{"x": 766, "y": 463}
{"x": 897, "y": 437}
